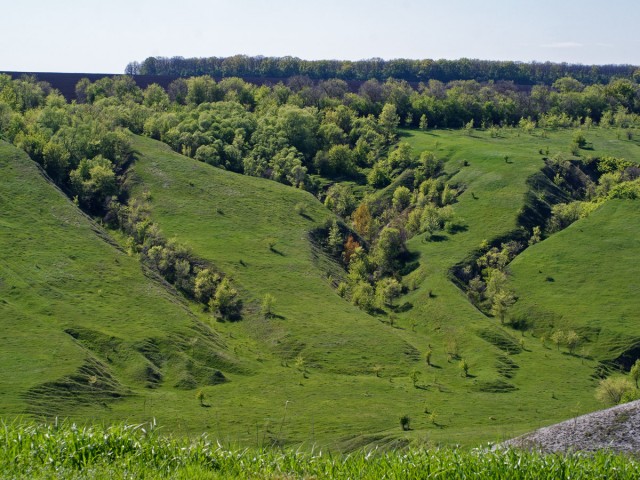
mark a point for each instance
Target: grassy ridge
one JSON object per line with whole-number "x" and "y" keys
{"x": 84, "y": 328}
{"x": 66, "y": 451}
{"x": 222, "y": 216}
{"x": 585, "y": 278}
{"x": 305, "y": 376}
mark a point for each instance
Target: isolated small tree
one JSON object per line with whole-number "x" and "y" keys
{"x": 405, "y": 422}
{"x": 635, "y": 372}
{"x": 300, "y": 363}
{"x": 468, "y": 127}
{"x": 300, "y": 208}
{"x": 267, "y": 305}
{"x": 415, "y": 374}
{"x": 464, "y": 367}
{"x": 427, "y": 357}
{"x": 200, "y": 396}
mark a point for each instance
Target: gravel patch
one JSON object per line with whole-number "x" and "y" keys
{"x": 616, "y": 429}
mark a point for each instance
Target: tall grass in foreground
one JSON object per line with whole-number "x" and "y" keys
{"x": 29, "y": 450}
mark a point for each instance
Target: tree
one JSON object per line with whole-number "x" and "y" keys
{"x": 225, "y": 301}
{"x": 388, "y": 248}
{"x": 571, "y": 340}
{"x": 502, "y": 300}
{"x": 267, "y": 305}
{"x": 387, "y": 290}
{"x": 415, "y": 374}
{"x": 424, "y": 123}
{"x": 334, "y": 239}
{"x": 362, "y": 221}
{"x": 340, "y": 161}
{"x": 401, "y": 198}
{"x": 405, "y": 422}
{"x": 340, "y": 199}
{"x": 427, "y": 356}
{"x": 611, "y": 390}
{"x": 430, "y": 164}
{"x": 557, "y": 338}
{"x": 349, "y": 248}
{"x": 464, "y": 367}
{"x": 363, "y": 296}
{"x": 206, "y": 284}
{"x": 389, "y": 120}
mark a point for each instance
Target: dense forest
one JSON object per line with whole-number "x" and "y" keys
{"x": 376, "y": 68}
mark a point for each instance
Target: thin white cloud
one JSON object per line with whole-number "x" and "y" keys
{"x": 563, "y": 45}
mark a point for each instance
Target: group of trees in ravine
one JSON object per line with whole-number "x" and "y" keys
{"x": 318, "y": 136}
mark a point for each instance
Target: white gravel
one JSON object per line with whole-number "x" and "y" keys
{"x": 615, "y": 429}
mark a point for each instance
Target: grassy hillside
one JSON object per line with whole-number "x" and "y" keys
{"x": 585, "y": 278}
{"x": 320, "y": 371}
{"x": 223, "y": 217}
{"x": 86, "y": 332}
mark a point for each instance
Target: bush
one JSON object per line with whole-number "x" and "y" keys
{"x": 405, "y": 422}
{"x": 612, "y": 390}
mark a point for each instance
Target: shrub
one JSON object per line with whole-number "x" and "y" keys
{"x": 611, "y": 390}
{"x": 405, "y": 422}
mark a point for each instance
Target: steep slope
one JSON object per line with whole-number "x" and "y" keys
{"x": 85, "y": 331}
{"x": 585, "y": 278}
{"x": 232, "y": 221}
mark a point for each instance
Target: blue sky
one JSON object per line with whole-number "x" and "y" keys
{"x": 103, "y": 36}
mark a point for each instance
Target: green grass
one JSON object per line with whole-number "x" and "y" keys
{"x": 80, "y": 319}
{"x": 60, "y": 272}
{"x": 222, "y": 216}
{"x": 138, "y": 451}
{"x": 585, "y": 278}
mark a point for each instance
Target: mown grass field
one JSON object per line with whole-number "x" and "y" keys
{"x": 306, "y": 376}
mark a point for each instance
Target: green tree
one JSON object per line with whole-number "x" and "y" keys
{"x": 206, "y": 284}
{"x": 464, "y": 367}
{"x": 334, "y": 239}
{"x": 401, "y": 198}
{"x": 388, "y": 248}
{"x": 387, "y": 290}
{"x": 267, "y": 305}
{"x": 340, "y": 199}
{"x": 611, "y": 391}
{"x": 572, "y": 340}
{"x": 389, "y": 120}
{"x": 225, "y": 301}
{"x": 501, "y": 301}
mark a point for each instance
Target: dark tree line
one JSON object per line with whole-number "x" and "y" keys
{"x": 520, "y": 73}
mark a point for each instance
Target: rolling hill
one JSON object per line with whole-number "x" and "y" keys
{"x": 93, "y": 335}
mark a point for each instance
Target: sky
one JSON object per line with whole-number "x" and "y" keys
{"x": 103, "y": 36}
